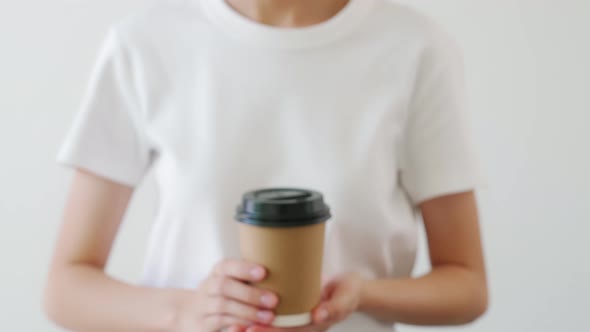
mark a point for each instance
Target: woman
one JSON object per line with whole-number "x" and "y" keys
{"x": 359, "y": 99}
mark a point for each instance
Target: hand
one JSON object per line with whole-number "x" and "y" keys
{"x": 340, "y": 298}
{"x": 225, "y": 302}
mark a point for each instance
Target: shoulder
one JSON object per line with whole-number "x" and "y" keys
{"x": 418, "y": 29}
{"x": 393, "y": 15}
{"x": 158, "y": 20}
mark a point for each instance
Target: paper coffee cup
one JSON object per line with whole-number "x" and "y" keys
{"x": 282, "y": 229}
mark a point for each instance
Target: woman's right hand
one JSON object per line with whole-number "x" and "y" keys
{"x": 225, "y": 302}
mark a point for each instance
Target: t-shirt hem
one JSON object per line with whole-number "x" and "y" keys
{"x": 104, "y": 171}
{"x": 443, "y": 187}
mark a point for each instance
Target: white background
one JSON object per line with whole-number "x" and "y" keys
{"x": 529, "y": 78}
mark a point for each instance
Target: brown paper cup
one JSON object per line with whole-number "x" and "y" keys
{"x": 283, "y": 230}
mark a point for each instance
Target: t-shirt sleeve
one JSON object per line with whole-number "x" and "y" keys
{"x": 438, "y": 157}
{"x": 107, "y": 137}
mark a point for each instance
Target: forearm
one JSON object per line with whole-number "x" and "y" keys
{"x": 82, "y": 298}
{"x": 449, "y": 295}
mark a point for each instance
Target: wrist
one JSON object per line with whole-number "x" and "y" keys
{"x": 171, "y": 318}
{"x": 375, "y": 295}
{"x": 364, "y": 294}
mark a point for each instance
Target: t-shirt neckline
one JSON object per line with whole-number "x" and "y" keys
{"x": 232, "y": 22}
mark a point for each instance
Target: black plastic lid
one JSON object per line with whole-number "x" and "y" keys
{"x": 282, "y": 207}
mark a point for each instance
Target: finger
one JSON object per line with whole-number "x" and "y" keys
{"x": 224, "y": 306}
{"x": 239, "y": 269}
{"x": 220, "y": 322}
{"x": 236, "y": 290}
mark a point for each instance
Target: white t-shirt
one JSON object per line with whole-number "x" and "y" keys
{"x": 367, "y": 108}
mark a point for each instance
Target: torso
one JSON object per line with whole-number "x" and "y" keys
{"x": 225, "y": 116}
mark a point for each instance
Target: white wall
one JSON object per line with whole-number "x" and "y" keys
{"x": 528, "y": 66}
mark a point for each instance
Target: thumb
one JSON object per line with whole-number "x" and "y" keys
{"x": 236, "y": 328}
{"x": 328, "y": 289}
{"x": 334, "y": 308}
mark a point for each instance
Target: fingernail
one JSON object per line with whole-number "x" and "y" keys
{"x": 257, "y": 272}
{"x": 269, "y": 300}
{"x": 322, "y": 315}
{"x": 265, "y": 316}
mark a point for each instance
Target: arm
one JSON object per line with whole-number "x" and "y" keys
{"x": 455, "y": 291}
{"x": 79, "y": 295}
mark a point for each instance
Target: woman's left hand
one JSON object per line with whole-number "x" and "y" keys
{"x": 341, "y": 297}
